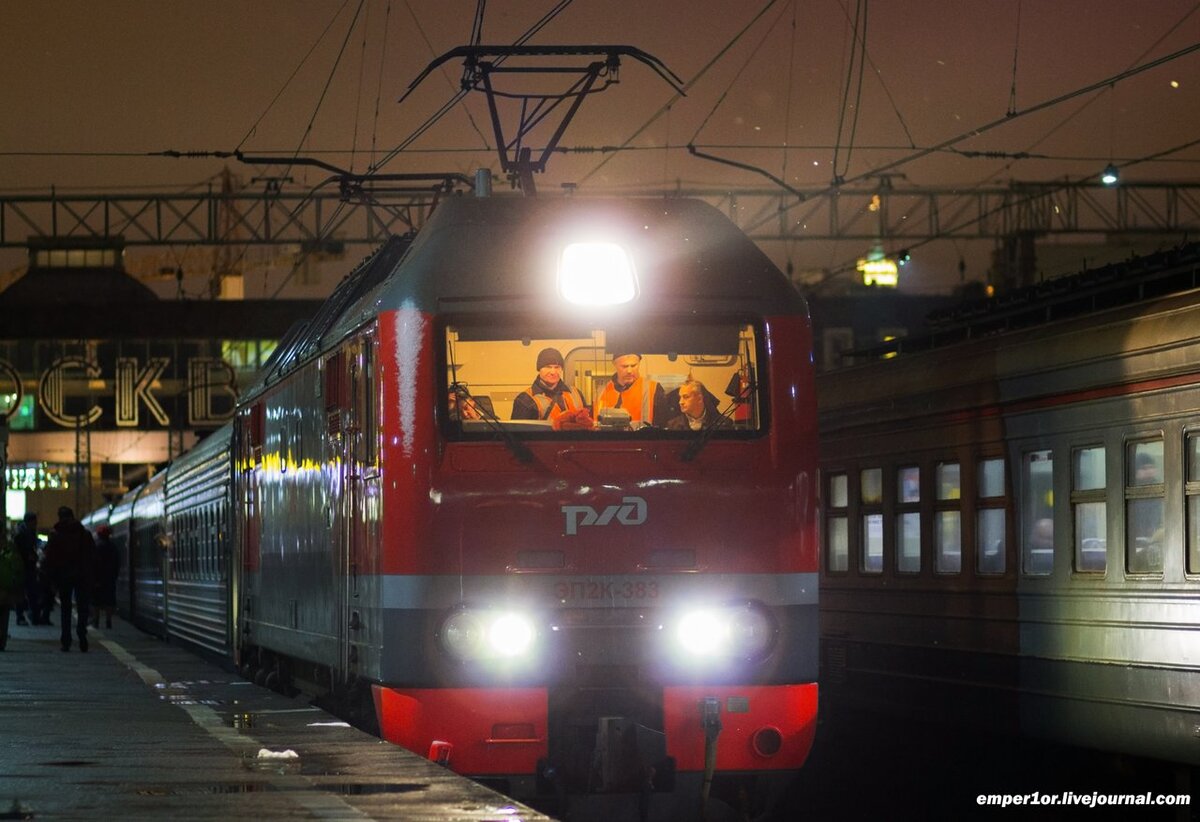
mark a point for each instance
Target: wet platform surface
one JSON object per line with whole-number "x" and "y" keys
{"x": 141, "y": 729}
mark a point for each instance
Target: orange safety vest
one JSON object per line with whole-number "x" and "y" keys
{"x": 549, "y": 410}
{"x": 637, "y": 399}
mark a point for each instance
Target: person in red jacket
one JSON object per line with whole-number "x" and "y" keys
{"x": 70, "y": 559}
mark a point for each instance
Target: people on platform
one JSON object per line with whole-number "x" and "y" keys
{"x": 641, "y": 397}
{"x": 25, "y": 541}
{"x": 107, "y": 568}
{"x": 550, "y": 396}
{"x": 11, "y": 581}
{"x": 70, "y": 563}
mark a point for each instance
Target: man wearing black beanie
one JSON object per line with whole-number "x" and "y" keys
{"x": 549, "y": 396}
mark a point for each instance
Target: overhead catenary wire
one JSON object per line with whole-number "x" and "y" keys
{"x": 459, "y": 95}
{"x": 753, "y": 53}
{"x": 1007, "y": 119}
{"x": 387, "y": 18}
{"x": 858, "y": 47}
{"x": 686, "y": 86}
{"x": 254, "y": 127}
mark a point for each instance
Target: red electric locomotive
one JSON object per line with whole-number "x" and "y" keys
{"x": 598, "y": 600}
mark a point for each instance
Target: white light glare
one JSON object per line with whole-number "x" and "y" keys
{"x": 718, "y": 632}
{"x": 704, "y": 633}
{"x": 510, "y": 635}
{"x": 477, "y": 635}
{"x": 596, "y": 274}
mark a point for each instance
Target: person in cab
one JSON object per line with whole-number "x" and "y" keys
{"x": 641, "y": 397}
{"x": 549, "y": 397}
{"x": 696, "y": 413}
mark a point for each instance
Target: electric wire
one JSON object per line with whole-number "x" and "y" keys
{"x": 387, "y": 19}
{"x": 856, "y": 51}
{"x": 362, "y": 70}
{"x": 1062, "y": 98}
{"x": 753, "y": 53}
{"x": 454, "y": 100}
{"x": 292, "y": 76}
{"x": 1012, "y": 91}
{"x": 686, "y": 86}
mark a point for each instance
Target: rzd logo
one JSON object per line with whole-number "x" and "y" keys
{"x": 631, "y": 511}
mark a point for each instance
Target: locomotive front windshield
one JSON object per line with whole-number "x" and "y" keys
{"x": 663, "y": 378}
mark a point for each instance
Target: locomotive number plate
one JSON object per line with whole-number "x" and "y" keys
{"x": 579, "y": 590}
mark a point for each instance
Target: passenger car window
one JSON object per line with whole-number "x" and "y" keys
{"x": 1090, "y": 510}
{"x": 991, "y": 543}
{"x": 1037, "y": 513}
{"x": 908, "y": 519}
{"x": 837, "y": 532}
{"x": 947, "y": 534}
{"x": 1144, "y": 507}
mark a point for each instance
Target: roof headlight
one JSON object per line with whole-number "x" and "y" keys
{"x": 596, "y": 274}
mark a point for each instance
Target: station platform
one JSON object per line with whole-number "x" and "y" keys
{"x": 137, "y": 728}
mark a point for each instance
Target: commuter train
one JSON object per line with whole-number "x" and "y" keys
{"x": 1011, "y": 521}
{"x": 609, "y": 609}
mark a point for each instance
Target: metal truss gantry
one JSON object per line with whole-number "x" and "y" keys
{"x": 901, "y": 215}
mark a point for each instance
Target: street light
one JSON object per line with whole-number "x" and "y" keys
{"x": 1110, "y": 176}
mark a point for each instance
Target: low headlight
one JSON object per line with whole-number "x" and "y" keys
{"x": 510, "y": 635}
{"x": 745, "y": 631}
{"x": 704, "y": 633}
{"x": 471, "y": 634}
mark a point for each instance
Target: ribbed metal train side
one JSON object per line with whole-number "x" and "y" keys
{"x": 148, "y": 556}
{"x": 198, "y": 560}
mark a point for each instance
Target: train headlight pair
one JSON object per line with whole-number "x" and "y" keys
{"x": 744, "y": 631}
{"x": 477, "y": 634}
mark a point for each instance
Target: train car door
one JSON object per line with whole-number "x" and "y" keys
{"x": 248, "y": 449}
{"x": 352, "y": 414}
{"x": 363, "y": 493}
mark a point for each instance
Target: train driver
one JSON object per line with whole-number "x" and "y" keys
{"x": 464, "y": 408}
{"x": 695, "y": 411}
{"x": 550, "y": 397}
{"x": 642, "y": 397}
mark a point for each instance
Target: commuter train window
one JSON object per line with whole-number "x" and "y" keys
{"x": 495, "y": 385}
{"x": 990, "y": 533}
{"x": 1192, "y": 492}
{"x": 871, "y": 491}
{"x": 872, "y": 486}
{"x": 947, "y": 532}
{"x": 1037, "y": 512}
{"x": 1090, "y": 510}
{"x": 1144, "y": 507}
{"x": 908, "y": 520}
{"x": 837, "y": 531}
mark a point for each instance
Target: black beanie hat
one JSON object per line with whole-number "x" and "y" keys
{"x": 550, "y": 356}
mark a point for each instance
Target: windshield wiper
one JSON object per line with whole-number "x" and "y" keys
{"x": 713, "y": 423}
{"x": 519, "y": 449}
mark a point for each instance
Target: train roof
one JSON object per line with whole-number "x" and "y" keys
{"x": 500, "y": 254}
{"x": 506, "y": 249}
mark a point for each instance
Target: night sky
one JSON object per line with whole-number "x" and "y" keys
{"x": 89, "y": 83}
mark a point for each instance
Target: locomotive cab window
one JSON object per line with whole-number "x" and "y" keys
{"x": 664, "y": 378}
